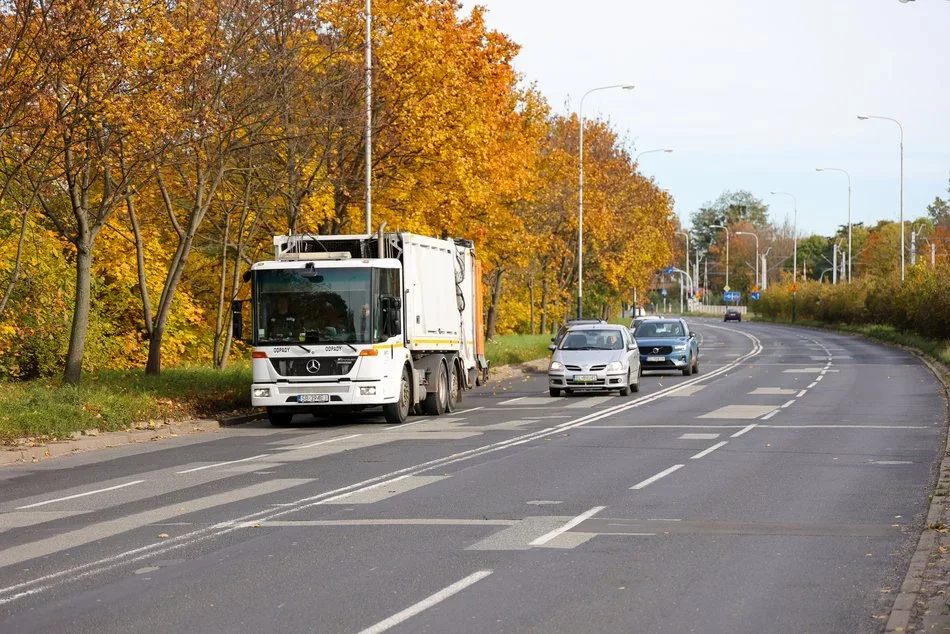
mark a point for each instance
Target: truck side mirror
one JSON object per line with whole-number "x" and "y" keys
{"x": 389, "y": 315}
{"x": 237, "y": 320}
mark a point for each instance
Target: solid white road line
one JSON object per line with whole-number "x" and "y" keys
{"x": 326, "y": 442}
{"x": 744, "y": 430}
{"x": 427, "y": 603}
{"x": 79, "y": 495}
{"x": 661, "y": 474}
{"x": 466, "y": 411}
{"x": 544, "y": 539}
{"x": 706, "y": 452}
{"x": 221, "y": 464}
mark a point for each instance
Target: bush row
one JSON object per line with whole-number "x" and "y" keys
{"x": 920, "y": 304}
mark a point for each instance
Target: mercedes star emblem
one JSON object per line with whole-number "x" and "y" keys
{"x": 655, "y": 351}
{"x": 313, "y": 366}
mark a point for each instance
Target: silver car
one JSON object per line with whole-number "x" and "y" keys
{"x": 595, "y": 357}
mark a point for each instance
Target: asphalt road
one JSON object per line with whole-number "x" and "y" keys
{"x": 782, "y": 489}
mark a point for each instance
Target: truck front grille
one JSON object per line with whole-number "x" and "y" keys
{"x": 314, "y": 366}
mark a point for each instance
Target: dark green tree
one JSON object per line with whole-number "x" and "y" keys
{"x": 729, "y": 209}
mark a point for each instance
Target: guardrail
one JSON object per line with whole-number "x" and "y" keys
{"x": 715, "y": 309}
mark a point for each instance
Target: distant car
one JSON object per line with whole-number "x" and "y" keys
{"x": 640, "y": 319}
{"x": 668, "y": 344}
{"x": 567, "y": 325}
{"x": 732, "y": 314}
{"x": 595, "y": 357}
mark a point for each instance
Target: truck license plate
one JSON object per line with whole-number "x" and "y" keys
{"x": 655, "y": 359}
{"x": 313, "y": 398}
{"x": 584, "y": 378}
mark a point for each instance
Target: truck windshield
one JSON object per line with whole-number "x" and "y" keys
{"x": 313, "y": 306}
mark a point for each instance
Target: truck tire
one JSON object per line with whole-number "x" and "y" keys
{"x": 455, "y": 389}
{"x": 397, "y": 413}
{"x": 434, "y": 403}
{"x": 279, "y": 419}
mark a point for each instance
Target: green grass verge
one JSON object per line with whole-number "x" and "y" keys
{"x": 933, "y": 348}
{"x": 117, "y": 400}
{"x": 505, "y": 349}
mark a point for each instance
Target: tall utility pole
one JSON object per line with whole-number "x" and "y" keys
{"x": 685, "y": 234}
{"x": 369, "y": 116}
{"x": 898, "y": 123}
{"x": 580, "y": 195}
{"x": 724, "y": 227}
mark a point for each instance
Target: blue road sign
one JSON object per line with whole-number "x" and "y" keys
{"x": 669, "y": 271}
{"x": 663, "y": 292}
{"x": 732, "y": 296}
{"x": 755, "y": 296}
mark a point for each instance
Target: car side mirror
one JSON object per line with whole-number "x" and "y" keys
{"x": 631, "y": 346}
{"x": 692, "y": 334}
{"x": 552, "y": 347}
{"x": 237, "y": 320}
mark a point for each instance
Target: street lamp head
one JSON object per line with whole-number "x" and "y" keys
{"x": 862, "y": 117}
{"x": 627, "y": 87}
{"x": 819, "y": 169}
{"x": 667, "y": 151}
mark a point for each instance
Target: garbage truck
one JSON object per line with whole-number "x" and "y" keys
{"x": 340, "y": 324}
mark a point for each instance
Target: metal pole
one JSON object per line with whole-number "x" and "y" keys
{"x": 369, "y": 117}
{"x": 898, "y": 123}
{"x": 834, "y": 263}
{"x": 580, "y": 195}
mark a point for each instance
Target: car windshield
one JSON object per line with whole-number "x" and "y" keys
{"x": 313, "y": 306}
{"x": 659, "y": 329}
{"x": 577, "y": 339}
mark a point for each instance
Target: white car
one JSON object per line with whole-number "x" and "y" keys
{"x": 595, "y": 357}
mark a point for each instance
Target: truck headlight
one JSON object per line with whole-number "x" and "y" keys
{"x": 614, "y": 366}
{"x": 556, "y": 366}
{"x": 261, "y": 392}
{"x": 680, "y": 347}
{"x": 368, "y": 391}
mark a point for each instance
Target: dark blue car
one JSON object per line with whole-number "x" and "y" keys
{"x": 667, "y": 344}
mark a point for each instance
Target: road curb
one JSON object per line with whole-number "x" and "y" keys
{"x": 240, "y": 419}
{"x": 908, "y": 600}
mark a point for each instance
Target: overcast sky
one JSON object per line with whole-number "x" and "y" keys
{"x": 755, "y": 94}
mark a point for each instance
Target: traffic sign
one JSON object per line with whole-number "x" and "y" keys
{"x": 755, "y": 296}
{"x": 669, "y": 270}
{"x": 794, "y": 287}
{"x": 726, "y": 288}
{"x": 733, "y": 296}
{"x": 663, "y": 292}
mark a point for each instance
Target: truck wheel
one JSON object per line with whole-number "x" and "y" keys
{"x": 455, "y": 389}
{"x": 397, "y": 413}
{"x": 434, "y": 403}
{"x": 279, "y": 419}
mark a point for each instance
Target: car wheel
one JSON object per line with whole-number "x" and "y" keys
{"x": 455, "y": 389}
{"x": 279, "y": 419}
{"x": 625, "y": 390}
{"x": 397, "y": 413}
{"x": 434, "y": 403}
{"x": 554, "y": 392}
{"x": 636, "y": 386}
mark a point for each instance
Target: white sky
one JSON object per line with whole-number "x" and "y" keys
{"x": 755, "y": 94}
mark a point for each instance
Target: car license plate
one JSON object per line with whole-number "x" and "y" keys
{"x": 655, "y": 359}
{"x": 313, "y": 398}
{"x": 584, "y": 378}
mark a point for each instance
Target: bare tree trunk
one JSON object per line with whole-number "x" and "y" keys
{"x": 80, "y": 325}
{"x": 17, "y": 263}
{"x": 544, "y": 305}
{"x": 140, "y": 265}
{"x": 531, "y": 305}
{"x": 217, "y": 359}
{"x": 493, "y": 308}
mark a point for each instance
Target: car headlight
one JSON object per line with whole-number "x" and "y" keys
{"x": 681, "y": 346}
{"x": 614, "y": 366}
{"x": 556, "y": 366}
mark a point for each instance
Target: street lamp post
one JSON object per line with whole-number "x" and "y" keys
{"x": 846, "y": 173}
{"x": 795, "y": 232}
{"x": 580, "y": 205}
{"x": 895, "y": 121}
{"x": 369, "y": 117}
{"x": 727, "y": 253}
{"x": 685, "y": 234}
{"x": 637, "y": 159}
{"x": 749, "y": 233}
